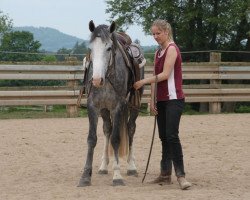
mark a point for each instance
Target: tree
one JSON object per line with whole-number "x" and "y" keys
{"x": 79, "y": 50}
{"x": 5, "y": 24}
{"x": 197, "y": 24}
{"x": 19, "y": 46}
{"x": 49, "y": 58}
{"x": 62, "y": 53}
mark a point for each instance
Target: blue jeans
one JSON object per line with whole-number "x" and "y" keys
{"x": 168, "y": 120}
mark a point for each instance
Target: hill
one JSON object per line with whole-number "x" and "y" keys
{"x": 51, "y": 39}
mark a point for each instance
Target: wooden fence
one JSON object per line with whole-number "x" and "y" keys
{"x": 223, "y": 83}
{"x": 42, "y": 95}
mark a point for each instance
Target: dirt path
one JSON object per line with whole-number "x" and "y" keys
{"x": 43, "y": 159}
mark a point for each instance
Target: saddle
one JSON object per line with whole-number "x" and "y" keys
{"x": 124, "y": 39}
{"x": 132, "y": 52}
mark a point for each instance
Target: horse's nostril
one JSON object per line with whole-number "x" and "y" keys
{"x": 101, "y": 82}
{"x": 97, "y": 82}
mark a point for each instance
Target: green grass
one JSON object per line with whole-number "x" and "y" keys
{"x": 24, "y": 112}
{"x": 243, "y": 109}
{"x": 36, "y": 112}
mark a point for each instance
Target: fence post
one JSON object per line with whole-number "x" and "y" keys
{"x": 215, "y": 107}
{"x": 72, "y": 110}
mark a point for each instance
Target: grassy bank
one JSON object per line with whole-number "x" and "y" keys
{"x": 22, "y": 112}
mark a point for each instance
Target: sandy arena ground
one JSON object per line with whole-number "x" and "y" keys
{"x": 43, "y": 159}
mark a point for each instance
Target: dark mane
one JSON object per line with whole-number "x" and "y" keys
{"x": 100, "y": 31}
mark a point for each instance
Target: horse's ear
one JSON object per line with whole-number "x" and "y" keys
{"x": 91, "y": 26}
{"x": 112, "y": 27}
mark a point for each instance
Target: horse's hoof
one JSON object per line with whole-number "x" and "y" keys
{"x": 132, "y": 173}
{"x": 118, "y": 182}
{"x": 84, "y": 182}
{"x": 103, "y": 172}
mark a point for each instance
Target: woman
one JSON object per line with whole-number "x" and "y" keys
{"x": 169, "y": 102}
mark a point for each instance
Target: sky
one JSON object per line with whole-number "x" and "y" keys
{"x": 68, "y": 16}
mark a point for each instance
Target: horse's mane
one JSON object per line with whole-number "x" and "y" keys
{"x": 102, "y": 31}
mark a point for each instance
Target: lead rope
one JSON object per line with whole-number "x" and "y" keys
{"x": 153, "y": 136}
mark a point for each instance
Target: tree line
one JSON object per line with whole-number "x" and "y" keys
{"x": 18, "y": 46}
{"x": 198, "y": 25}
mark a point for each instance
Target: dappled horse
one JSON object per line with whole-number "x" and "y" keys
{"x": 109, "y": 95}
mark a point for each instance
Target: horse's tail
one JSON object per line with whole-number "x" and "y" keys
{"x": 124, "y": 141}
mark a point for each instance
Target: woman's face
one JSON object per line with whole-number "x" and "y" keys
{"x": 159, "y": 35}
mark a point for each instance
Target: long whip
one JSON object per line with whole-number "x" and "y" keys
{"x": 153, "y": 136}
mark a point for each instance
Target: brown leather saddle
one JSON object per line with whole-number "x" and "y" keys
{"x": 125, "y": 40}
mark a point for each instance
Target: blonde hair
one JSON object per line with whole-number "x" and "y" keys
{"x": 164, "y": 26}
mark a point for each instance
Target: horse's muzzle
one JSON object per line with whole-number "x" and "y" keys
{"x": 97, "y": 82}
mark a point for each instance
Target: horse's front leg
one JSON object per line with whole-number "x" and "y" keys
{"x": 132, "y": 170}
{"x": 107, "y": 128}
{"x": 92, "y": 139}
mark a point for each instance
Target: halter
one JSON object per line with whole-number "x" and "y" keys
{"x": 111, "y": 66}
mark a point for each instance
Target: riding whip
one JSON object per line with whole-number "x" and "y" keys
{"x": 153, "y": 136}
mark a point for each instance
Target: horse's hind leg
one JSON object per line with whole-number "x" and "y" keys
{"x": 132, "y": 170}
{"x": 107, "y": 128}
{"x": 92, "y": 139}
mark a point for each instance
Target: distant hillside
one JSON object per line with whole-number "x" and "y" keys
{"x": 51, "y": 39}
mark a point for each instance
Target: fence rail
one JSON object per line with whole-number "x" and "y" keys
{"x": 214, "y": 91}
{"x": 40, "y": 95}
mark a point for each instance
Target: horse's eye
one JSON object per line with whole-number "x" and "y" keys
{"x": 109, "y": 49}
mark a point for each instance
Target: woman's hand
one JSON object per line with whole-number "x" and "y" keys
{"x": 153, "y": 109}
{"x": 137, "y": 85}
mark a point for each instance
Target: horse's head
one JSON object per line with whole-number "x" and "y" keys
{"x": 101, "y": 46}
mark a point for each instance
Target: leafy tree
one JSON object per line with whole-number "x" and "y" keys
{"x": 137, "y": 42}
{"x": 14, "y": 43}
{"x": 5, "y": 24}
{"x": 49, "y": 58}
{"x": 197, "y": 24}
{"x": 62, "y": 53}
{"x": 80, "y": 50}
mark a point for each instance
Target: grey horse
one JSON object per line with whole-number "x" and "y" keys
{"x": 110, "y": 89}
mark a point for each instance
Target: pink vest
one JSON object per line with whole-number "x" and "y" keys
{"x": 172, "y": 87}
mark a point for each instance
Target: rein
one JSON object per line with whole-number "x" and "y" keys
{"x": 153, "y": 136}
